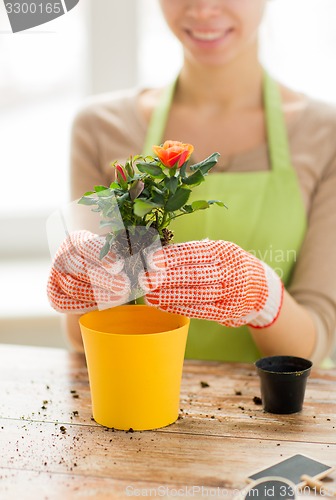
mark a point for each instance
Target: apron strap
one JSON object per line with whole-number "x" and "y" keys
{"x": 158, "y": 120}
{"x": 280, "y": 157}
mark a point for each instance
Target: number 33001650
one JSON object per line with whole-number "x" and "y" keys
{"x": 33, "y": 8}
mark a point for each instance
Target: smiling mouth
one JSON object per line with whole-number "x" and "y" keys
{"x": 209, "y": 36}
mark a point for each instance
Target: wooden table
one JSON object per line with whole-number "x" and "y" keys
{"x": 52, "y": 449}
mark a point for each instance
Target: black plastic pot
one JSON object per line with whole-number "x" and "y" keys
{"x": 283, "y": 382}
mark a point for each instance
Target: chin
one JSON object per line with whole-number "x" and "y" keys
{"x": 211, "y": 60}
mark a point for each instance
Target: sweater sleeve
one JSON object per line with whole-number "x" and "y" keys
{"x": 314, "y": 279}
{"x": 85, "y": 161}
{"x": 107, "y": 128}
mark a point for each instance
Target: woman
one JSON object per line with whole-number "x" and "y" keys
{"x": 277, "y": 174}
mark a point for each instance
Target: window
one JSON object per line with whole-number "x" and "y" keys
{"x": 41, "y": 83}
{"x": 298, "y": 44}
{"x": 160, "y": 55}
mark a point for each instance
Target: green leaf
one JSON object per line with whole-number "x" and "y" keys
{"x": 172, "y": 171}
{"x": 105, "y": 250}
{"x": 123, "y": 184}
{"x": 100, "y": 188}
{"x": 136, "y": 189}
{"x": 88, "y": 193}
{"x": 217, "y": 202}
{"x": 136, "y": 157}
{"x": 86, "y": 200}
{"x": 194, "y": 179}
{"x": 200, "y": 205}
{"x": 114, "y": 185}
{"x": 158, "y": 199}
{"x": 152, "y": 170}
{"x": 205, "y": 165}
{"x": 187, "y": 209}
{"x": 123, "y": 198}
{"x": 178, "y": 199}
{"x": 145, "y": 193}
{"x": 106, "y": 193}
{"x": 183, "y": 169}
{"x": 171, "y": 184}
{"x": 129, "y": 168}
{"x": 142, "y": 208}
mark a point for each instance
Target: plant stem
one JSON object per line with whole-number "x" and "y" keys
{"x": 175, "y": 216}
{"x": 163, "y": 221}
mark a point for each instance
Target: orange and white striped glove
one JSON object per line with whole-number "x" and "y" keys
{"x": 214, "y": 280}
{"x": 79, "y": 281}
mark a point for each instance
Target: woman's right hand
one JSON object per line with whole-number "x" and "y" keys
{"x": 79, "y": 280}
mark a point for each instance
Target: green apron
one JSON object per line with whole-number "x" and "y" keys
{"x": 265, "y": 216}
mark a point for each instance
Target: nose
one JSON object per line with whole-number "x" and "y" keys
{"x": 203, "y": 9}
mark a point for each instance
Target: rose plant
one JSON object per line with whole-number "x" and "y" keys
{"x": 149, "y": 191}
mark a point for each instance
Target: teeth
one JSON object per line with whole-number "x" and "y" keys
{"x": 207, "y": 35}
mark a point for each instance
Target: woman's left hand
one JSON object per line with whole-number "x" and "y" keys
{"x": 214, "y": 280}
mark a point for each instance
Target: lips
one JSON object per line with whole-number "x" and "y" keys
{"x": 209, "y": 36}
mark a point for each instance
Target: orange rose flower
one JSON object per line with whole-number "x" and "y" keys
{"x": 173, "y": 152}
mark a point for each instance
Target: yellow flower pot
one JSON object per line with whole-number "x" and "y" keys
{"x": 135, "y": 356}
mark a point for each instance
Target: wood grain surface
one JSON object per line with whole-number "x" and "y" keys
{"x": 51, "y": 448}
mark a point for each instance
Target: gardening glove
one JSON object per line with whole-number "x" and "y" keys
{"x": 213, "y": 280}
{"x": 79, "y": 280}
